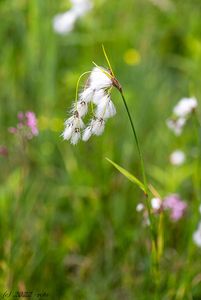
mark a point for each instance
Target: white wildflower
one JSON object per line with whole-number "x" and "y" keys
{"x": 177, "y": 157}
{"x": 105, "y": 109}
{"x": 156, "y": 203}
{"x": 185, "y": 107}
{"x": 140, "y": 207}
{"x": 100, "y": 79}
{"x": 197, "y": 236}
{"x": 176, "y": 125}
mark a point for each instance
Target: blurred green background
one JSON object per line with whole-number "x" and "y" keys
{"x": 69, "y": 225}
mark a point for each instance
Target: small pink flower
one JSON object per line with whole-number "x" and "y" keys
{"x": 20, "y": 115}
{"x": 32, "y": 122}
{"x": 176, "y": 206}
{"x": 27, "y": 125}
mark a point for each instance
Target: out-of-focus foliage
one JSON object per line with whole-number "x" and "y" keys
{"x": 68, "y": 220}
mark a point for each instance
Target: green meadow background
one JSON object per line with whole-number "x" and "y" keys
{"x": 68, "y": 220}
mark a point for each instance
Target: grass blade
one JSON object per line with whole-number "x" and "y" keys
{"x": 128, "y": 175}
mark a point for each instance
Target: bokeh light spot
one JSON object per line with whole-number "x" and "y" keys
{"x": 132, "y": 57}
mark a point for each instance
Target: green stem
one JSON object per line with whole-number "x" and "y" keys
{"x": 137, "y": 143}
{"x": 77, "y": 85}
{"x": 143, "y": 171}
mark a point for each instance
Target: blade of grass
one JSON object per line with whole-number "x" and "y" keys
{"x": 128, "y": 175}
{"x": 107, "y": 59}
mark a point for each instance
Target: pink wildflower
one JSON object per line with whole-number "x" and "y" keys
{"x": 27, "y": 125}
{"x": 20, "y": 115}
{"x": 32, "y": 122}
{"x": 176, "y": 206}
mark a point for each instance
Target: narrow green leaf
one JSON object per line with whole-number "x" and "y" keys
{"x": 128, "y": 175}
{"x": 107, "y": 59}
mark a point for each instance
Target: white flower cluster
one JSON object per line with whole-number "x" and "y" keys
{"x": 64, "y": 23}
{"x": 181, "y": 112}
{"x": 97, "y": 93}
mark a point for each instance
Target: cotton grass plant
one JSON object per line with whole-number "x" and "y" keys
{"x": 96, "y": 96}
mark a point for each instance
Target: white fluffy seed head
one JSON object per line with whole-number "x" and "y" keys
{"x": 96, "y": 92}
{"x": 78, "y": 123}
{"x": 67, "y": 132}
{"x": 111, "y": 111}
{"x": 81, "y": 107}
{"x": 99, "y": 79}
{"x": 87, "y": 133}
{"x": 98, "y": 126}
{"x": 87, "y": 95}
{"x": 98, "y": 96}
{"x": 72, "y": 128}
{"x": 75, "y": 136}
{"x": 105, "y": 109}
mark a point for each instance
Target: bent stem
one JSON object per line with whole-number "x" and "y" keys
{"x": 153, "y": 232}
{"x": 77, "y": 85}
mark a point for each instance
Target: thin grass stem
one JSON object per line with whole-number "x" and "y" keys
{"x": 142, "y": 170}
{"x": 107, "y": 59}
